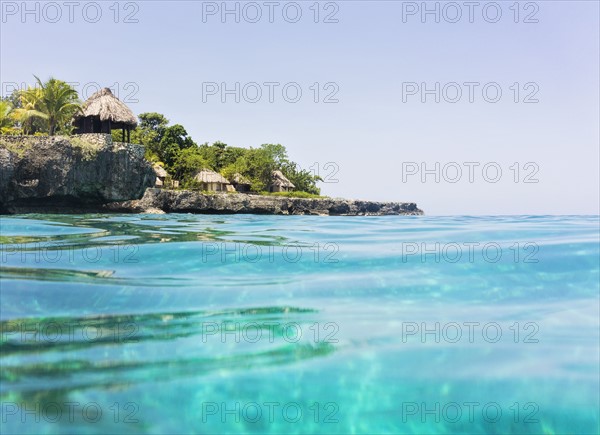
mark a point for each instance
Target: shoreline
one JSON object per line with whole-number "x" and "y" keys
{"x": 164, "y": 201}
{"x": 90, "y": 173}
{"x": 188, "y": 201}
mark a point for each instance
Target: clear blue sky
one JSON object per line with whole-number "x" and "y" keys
{"x": 371, "y": 134}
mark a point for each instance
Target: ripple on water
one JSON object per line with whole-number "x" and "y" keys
{"x": 164, "y": 311}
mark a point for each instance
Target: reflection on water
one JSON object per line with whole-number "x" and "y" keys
{"x": 193, "y": 324}
{"x": 69, "y": 347}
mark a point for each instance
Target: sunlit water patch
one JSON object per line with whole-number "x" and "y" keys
{"x": 271, "y": 324}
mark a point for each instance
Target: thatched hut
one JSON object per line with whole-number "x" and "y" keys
{"x": 161, "y": 175}
{"x": 280, "y": 183}
{"x": 213, "y": 181}
{"x": 102, "y": 113}
{"x": 240, "y": 183}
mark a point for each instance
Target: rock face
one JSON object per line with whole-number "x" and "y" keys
{"x": 91, "y": 173}
{"x": 83, "y": 171}
{"x": 186, "y": 201}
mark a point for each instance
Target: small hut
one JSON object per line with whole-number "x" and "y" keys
{"x": 212, "y": 181}
{"x": 102, "y": 113}
{"x": 161, "y": 175}
{"x": 163, "y": 179}
{"x": 279, "y": 183}
{"x": 240, "y": 183}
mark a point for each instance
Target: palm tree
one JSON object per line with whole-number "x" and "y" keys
{"x": 6, "y": 120}
{"x": 58, "y": 103}
{"x": 29, "y": 109}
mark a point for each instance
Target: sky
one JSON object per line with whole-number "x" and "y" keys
{"x": 477, "y": 108}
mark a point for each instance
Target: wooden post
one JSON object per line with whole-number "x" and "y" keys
{"x": 106, "y": 126}
{"x": 123, "y": 135}
{"x": 128, "y": 135}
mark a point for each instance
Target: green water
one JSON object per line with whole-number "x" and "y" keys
{"x": 272, "y": 324}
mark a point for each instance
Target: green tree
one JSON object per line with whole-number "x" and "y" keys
{"x": 174, "y": 140}
{"x": 187, "y": 163}
{"x": 260, "y": 166}
{"x": 219, "y": 155}
{"x": 277, "y": 153}
{"x": 209, "y": 153}
{"x": 304, "y": 180}
{"x": 240, "y": 166}
{"x": 28, "y": 113}
{"x": 58, "y": 101}
{"x": 219, "y": 148}
{"x": 231, "y": 155}
{"x": 151, "y": 129}
{"x": 153, "y": 121}
{"x": 14, "y": 98}
{"x": 7, "y": 118}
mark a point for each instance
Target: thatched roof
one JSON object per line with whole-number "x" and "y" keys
{"x": 208, "y": 176}
{"x": 160, "y": 171}
{"x": 278, "y": 179}
{"x": 240, "y": 179}
{"x": 108, "y": 107}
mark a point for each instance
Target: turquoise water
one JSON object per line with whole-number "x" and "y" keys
{"x": 271, "y": 324}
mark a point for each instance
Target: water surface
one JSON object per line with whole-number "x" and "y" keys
{"x": 295, "y": 324}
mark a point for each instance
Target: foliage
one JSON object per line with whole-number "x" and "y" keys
{"x": 174, "y": 141}
{"x": 239, "y": 166}
{"x": 150, "y": 130}
{"x": 18, "y": 148}
{"x": 14, "y": 99}
{"x": 219, "y": 155}
{"x": 47, "y": 107}
{"x": 88, "y": 150}
{"x": 27, "y": 114}
{"x": 183, "y": 158}
{"x": 149, "y": 133}
{"x": 303, "y": 179}
{"x": 269, "y": 157}
{"x": 5, "y": 114}
{"x": 58, "y": 101}
{"x": 7, "y": 125}
{"x": 295, "y": 194}
{"x": 187, "y": 163}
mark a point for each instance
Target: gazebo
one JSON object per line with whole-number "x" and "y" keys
{"x": 102, "y": 113}
{"x": 240, "y": 183}
{"x": 161, "y": 175}
{"x": 212, "y": 181}
{"x": 280, "y": 183}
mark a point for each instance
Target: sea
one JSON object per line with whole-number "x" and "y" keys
{"x": 248, "y": 324}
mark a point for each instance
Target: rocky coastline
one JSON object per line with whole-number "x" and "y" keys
{"x": 92, "y": 174}
{"x": 187, "y": 201}
{"x": 46, "y": 174}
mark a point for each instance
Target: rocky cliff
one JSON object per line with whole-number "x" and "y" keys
{"x": 58, "y": 173}
{"x": 91, "y": 173}
{"x": 186, "y": 201}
